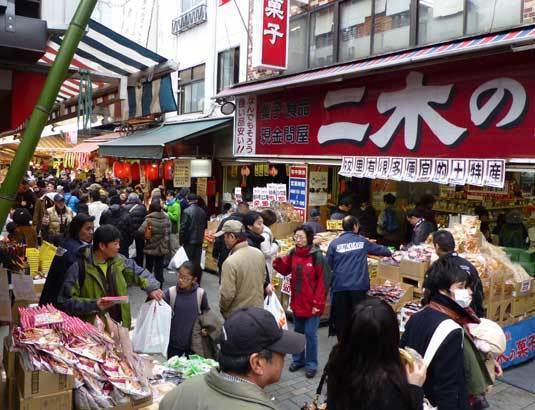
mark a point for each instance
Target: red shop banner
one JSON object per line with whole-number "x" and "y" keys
{"x": 270, "y": 43}
{"x": 476, "y": 109}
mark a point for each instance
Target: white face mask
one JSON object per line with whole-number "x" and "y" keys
{"x": 462, "y": 297}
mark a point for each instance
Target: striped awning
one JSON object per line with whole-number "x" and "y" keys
{"x": 106, "y": 52}
{"x": 479, "y": 43}
{"x": 52, "y": 144}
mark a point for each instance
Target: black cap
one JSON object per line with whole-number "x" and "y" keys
{"x": 59, "y": 198}
{"x": 82, "y": 218}
{"x": 251, "y": 330}
{"x": 192, "y": 197}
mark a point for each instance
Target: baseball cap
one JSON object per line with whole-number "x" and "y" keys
{"x": 250, "y": 330}
{"x": 314, "y": 213}
{"x": 58, "y": 198}
{"x": 230, "y": 227}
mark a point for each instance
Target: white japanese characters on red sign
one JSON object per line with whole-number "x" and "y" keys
{"x": 245, "y": 126}
{"x": 484, "y": 172}
{"x": 270, "y": 42}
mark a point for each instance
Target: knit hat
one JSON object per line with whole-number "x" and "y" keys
{"x": 133, "y": 197}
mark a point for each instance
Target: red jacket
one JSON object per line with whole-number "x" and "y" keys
{"x": 307, "y": 285}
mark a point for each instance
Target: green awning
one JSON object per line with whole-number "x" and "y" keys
{"x": 150, "y": 144}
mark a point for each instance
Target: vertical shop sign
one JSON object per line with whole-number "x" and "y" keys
{"x": 319, "y": 184}
{"x": 476, "y": 172}
{"x": 245, "y": 126}
{"x": 182, "y": 174}
{"x": 458, "y": 171}
{"x": 298, "y": 188}
{"x": 270, "y": 41}
{"x": 202, "y": 187}
{"x": 425, "y": 170}
{"x": 238, "y": 197}
{"x": 442, "y": 172}
{"x": 383, "y": 168}
{"x": 495, "y": 173}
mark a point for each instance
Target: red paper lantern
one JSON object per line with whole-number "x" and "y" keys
{"x": 135, "y": 171}
{"x": 168, "y": 170}
{"x": 151, "y": 172}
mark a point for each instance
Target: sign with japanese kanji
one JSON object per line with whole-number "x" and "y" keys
{"x": 245, "y": 126}
{"x": 489, "y": 172}
{"x": 270, "y": 37}
{"x": 299, "y": 188}
{"x": 520, "y": 343}
{"x": 182, "y": 174}
{"x": 441, "y": 111}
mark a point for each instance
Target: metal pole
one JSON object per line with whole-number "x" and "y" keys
{"x": 39, "y": 117}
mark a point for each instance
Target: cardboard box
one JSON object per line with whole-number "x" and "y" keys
{"x": 56, "y": 401}
{"x": 407, "y": 296}
{"x": 413, "y": 269}
{"x": 513, "y": 289}
{"x": 37, "y": 383}
{"x": 284, "y": 230}
{"x": 9, "y": 359}
{"x": 135, "y": 404}
{"x": 518, "y": 306}
{"x": 388, "y": 272}
{"x": 417, "y": 283}
{"x": 494, "y": 310}
{"x": 11, "y": 393}
{"x": 530, "y": 302}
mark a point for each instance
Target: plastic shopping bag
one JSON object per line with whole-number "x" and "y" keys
{"x": 153, "y": 328}
{"x": 179, "y": 258}
{"x": 203, "y": 259}
{"x": 273, "y": 306}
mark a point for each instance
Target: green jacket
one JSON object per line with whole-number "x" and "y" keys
{"x": 213, "y": 392}
{"x": 81, "y": 299}
{"x": 173, "y": 211}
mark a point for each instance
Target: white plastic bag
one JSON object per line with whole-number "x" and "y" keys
{"x": 273, "y": 306}
{"x": 179, "y": 258}
{"x": 153, "y": 328}
{"x": 203, "y": 259}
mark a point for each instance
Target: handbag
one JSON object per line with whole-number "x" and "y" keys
{"x": 315, "y": 403}
{"x": 148, "y": 231}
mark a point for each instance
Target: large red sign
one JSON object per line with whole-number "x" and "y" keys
{"x": 475, "y": 109}
{"x": 270, "y": 48}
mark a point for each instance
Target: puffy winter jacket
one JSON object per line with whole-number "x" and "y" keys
{"x": 348, "y": 258}
{"x": 307, "y": 281}
{"x": 72, "y": 201}
{"x": 159, "y": 243}
{"x": 121, "y": 219}
{"x": 137, "y": 212}
{"x": 174, "y": 210}
{"x": 192, "y": 225}
{"x": 421, "y": 231}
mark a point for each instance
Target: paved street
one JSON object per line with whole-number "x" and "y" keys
{"x": 294, "y": 388}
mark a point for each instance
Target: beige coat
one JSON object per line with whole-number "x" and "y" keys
{"x": 56, "y": 221}
{"x": 242, "y": 279}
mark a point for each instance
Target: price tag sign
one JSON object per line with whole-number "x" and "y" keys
{"x": 286, "y": 288}
{"x": 334, "y": 225}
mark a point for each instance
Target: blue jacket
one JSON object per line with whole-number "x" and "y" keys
{"x": 348, "y": 258}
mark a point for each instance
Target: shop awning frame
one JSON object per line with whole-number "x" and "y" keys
{"x": 510, "y": 39}
{"x": 150, "y": 144}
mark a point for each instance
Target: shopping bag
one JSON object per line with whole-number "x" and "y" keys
{"x": 273, "y": 306}
{"x": 179, "y": 258}
{"x": 153, "y": 328}
{"x": 203, "y": 259}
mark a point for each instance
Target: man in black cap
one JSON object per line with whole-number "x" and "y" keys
{"x": 251, "y": 358}
{"x": 193, "y": 223}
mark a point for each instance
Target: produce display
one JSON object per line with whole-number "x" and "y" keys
{"x": 389, "y": 292}
{"x": 187, "y": 367}
{"x": 104, "y": 375}
{"x": 285, "y": 212}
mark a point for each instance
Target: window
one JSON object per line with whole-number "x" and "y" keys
{"x": 355, "y": 29}
{"x": 484, "y": 15}
{"x": 322, "y": 37}
{"x": 392, "y": 23}
{"x": 186, "y": 5}
{"x": 297, "y": 50}
{"x": 228, "y": 68}
{"x": 440, "y": 20}
{"x": 191, "y": 90}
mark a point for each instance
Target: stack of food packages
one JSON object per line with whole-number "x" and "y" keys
{"x": 325, "y": 239}
{"x": 104, "y": 375}
{"x": 187, "y": 367}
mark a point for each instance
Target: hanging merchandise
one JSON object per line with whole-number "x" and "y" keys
{"x": 135, "y": 171}
{"x": 85, "y": 101}
{"x": 245, "y": 172}
{"x": 151, "y": 172}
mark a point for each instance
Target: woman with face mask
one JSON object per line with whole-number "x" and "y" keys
{"x": 456, "y": 375}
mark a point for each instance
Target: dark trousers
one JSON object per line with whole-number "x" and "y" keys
{"x": 194, "y": 252}
{"x": 171, "y": 352}
{"x": 156, "y": 263}
{"x": 342, "y": 308}
{"x": 140, "y": 245}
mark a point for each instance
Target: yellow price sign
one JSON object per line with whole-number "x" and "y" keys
{"x": 334, "y": 225}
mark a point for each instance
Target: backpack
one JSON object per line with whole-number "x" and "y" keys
{"x": 390, "y": 224}
{"x": 172, "y": 298}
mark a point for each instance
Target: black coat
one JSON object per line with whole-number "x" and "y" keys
{"x": 220, "y": 251}
{"x": 137, "y": 212}
{"x": 421, "y": 232}
{"x": 445, "y": 386}
{"x": 193, "y": 223}
{"x": 120, "y": 218}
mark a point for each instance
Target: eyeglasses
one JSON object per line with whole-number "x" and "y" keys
{"x": 300, "y": 238}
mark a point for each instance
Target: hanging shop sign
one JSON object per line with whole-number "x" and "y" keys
{"x": 445, "y": 110}
{"x": 270, "y": 37}
{"x": 318, "y": 187}
{"x": 476, "y": 172}
{"x": 299, "y": 188}
{"x": 182, "y": 174}
{"x": 245, "y": 126}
